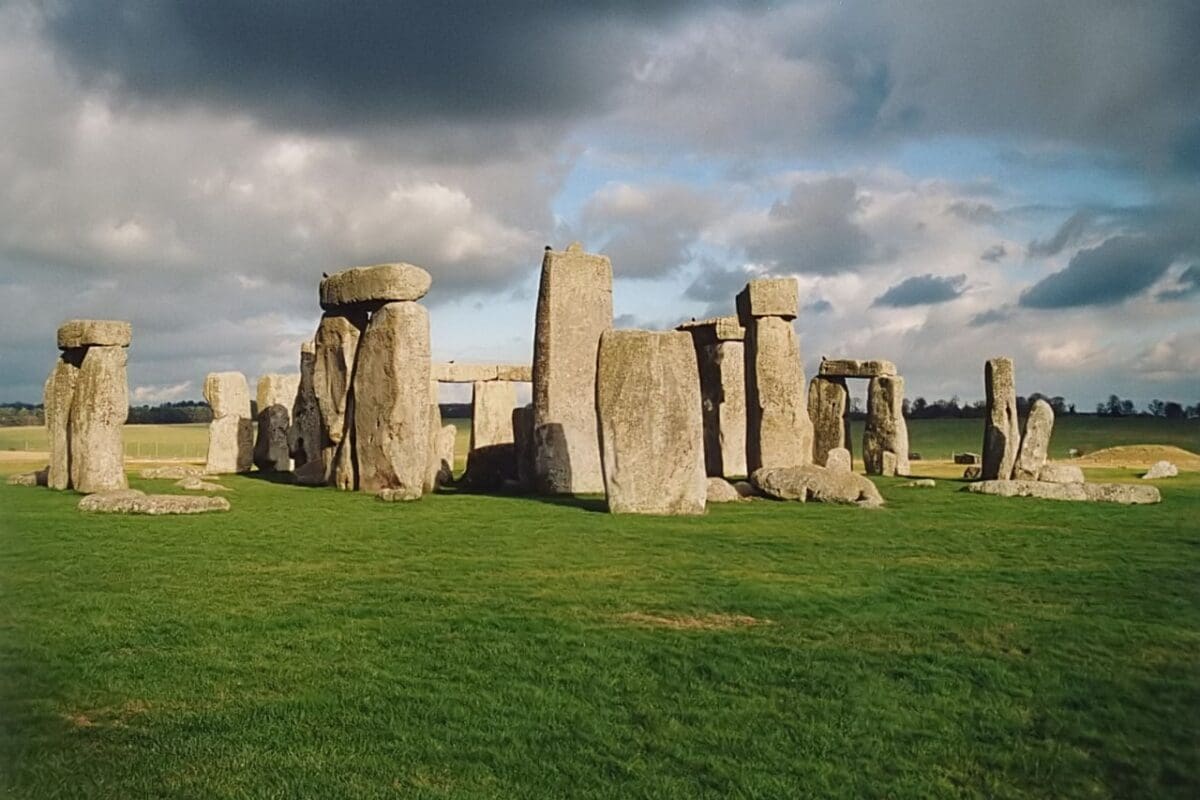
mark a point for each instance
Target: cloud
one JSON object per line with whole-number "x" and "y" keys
{"x": 152, "y": 395}
{"x": 1187, "y": 286}
{"x": 1068, "y": 233}
{"x": 819, "y": 306}
{"x": 990, "y": 317}
{"x": 1115, "y": 270}
{"x": 994, "y": 253}
{"x": 1173, "y": 358}
{"x": 922, "y": 290}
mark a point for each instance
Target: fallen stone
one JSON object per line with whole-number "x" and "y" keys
{"x": 1124, "y": 493}
{"x": 230, "y": 445}
{"x": 966, "y": 458}
{"x": 132, "y": 501}
{"x": 94, "y": 332}
{"x": 973, "y": 473}
{"x": 920, "y": 483}
{"x": 779, "y": 432}
{"x": 828, "y": 399}
{"x": 768, "y": 297}
{"x": 839, "y": 460}
{"x": 811, "y": 482}
{"x": 721, "y": 491}
{"x": 57, "y": 401}
{"x": 1161, "y": 469}
{"x": 97, "y": 417}
{"x": 1035, "y": 443}
{"x": 37, "y": 478}
{"x": 651, "y": 432}
{"x": 396, "y": 495}
{"x": 174, "y": 472}
{"x": 391, "y": 400}
{"x": 885, "y": 431}
{"x": 227, "y": 394}
{"x": 574, "y": 307}
{"x": 746, "y": 489}
{"x": 1060, "y": 473}
{"x": 1002, "y": 430}
{"x": 371, "y": 287}
{"x": 854, "y": 368}
{"x": 197, "y": 485}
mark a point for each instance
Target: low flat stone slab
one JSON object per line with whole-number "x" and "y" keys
{"x": 94, "y": 332}
{"x": 37, "y": 478}
{"x": 1161, "y": 469}
{"x": 818, "y": 484}
{"x": 198, "y": 485}
{"x": 719, "y": 329}
{"x": 453, "y": 372}
{"x": 374, "y": 285}
{"x": 1123, "y": 493}
{"x": 769, "y": 297}
{"x": 1060, "y": 473}
{"x": 173, "y": 472}
{"x": 856, "y": 368}
{"x": 133, "y": 501}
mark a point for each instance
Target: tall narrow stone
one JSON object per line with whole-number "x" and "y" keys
{"x": 885, "y": 438}
{"x": 1035, "y": 442}
{"x": 651, "y": 430}
{"x": 828, "y": 400}
{"x": 306, "y": 434}
{"x": 276, "y": 395}
{"x": 391, "y": 400}
{"x": 779, "y": 432}
{"x": 57, "y": 400}
{"x": 335, "y": 344}
{"x": 98, "y": 415}
{"x": 231, "y": 432}
{"x": 721, "y": 363}
{"x": 492, "y": 404}
{"x": 1002, "y": 429}
{"x": 574, "y": 308}
{"x": 522, "y": 427}
{"x": 433, "y": 457}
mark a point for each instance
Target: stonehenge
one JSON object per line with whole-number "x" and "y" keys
{"x": 275, "y": 398}
{"x": 493, "y": 456}
{"x": 336, "y": 345}
{"x": 1035, "y": 442}
{"x": 231, "y": 432}
{"x": 652, "y": 452}
{"x": 306, "y": 433}
{"x": 720, "y": 360}
{"x": 885, "y": 438}
{"x": 828, "y": 402}
{"x": 574, "y": 307}
{"x": 86, "y": 401}
{"x": 1002, "y": 430}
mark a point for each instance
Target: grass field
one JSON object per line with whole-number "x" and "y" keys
{"x": 312, "y": 643}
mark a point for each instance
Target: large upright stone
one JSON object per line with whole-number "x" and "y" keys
{"x": 391, "y": 400}
{"x": 433, "y": 459}
{"x": 522, "y": 426}
{"x": 231, "y": 432}
{"x": 779, "y": 432}
{"x": 276, "y": 394}
{"x": 336, "y": 343}
{"x": 769, "y": 297}
{"x": 885, "y": 437}
{"x": 1002, "y": 429}
{"x": 368, "y": 288}
{"x": 828, "y": 400}
{"x": 651, "y": 432}
{"x": 492, "y": 404}
{"x": 97, "y": 416}
{"x": 574, "y": 308}
{"x": 57, "y": 400}
{"x": 720, "y": 360}
{"x": 1035, "y": 442}
{"x": 306, "y": 435}
{"x": 227, "y": 394}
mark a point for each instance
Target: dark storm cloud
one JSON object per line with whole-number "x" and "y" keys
{"x": 337, "y": 65}
{"x": 1117, "y": 269}
{"x": 922, "y": 290}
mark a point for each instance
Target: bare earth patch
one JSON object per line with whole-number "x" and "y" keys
{"x": 707, "y": 622}
{"x": 1138, "y": 456}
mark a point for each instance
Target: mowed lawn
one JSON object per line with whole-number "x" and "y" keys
{"x": 312, "y": 643}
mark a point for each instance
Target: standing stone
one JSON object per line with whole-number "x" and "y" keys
{"x": 446, "y": 440}
{"x": 1002, "y": 429}
{"x": 492, "y": 404}
{"x": 1035, "y": 443}
{"x": 276, "y": 394}
{"x": 720, "y": 360}
{"x": 57, "y": 400}
{"x": 306, "y": 436}
{"x": 391, "y": 400}
{"x": 651, "y": 432}
{"x": 839, "y": 460}
{"x": 885, "y": 438}
{"x": 522, "y": 427}
{"x": 828, "y": 400}
{"x": 778, "y": 430}
{"x": 336, "y": 343}
{"x": 574, "y": 308}
{"x": 97, "y": 416}
{"x": 231, "y": 433}
{"x": 433, "y": 460}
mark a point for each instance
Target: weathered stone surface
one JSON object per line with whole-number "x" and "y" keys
{"x": 227, "y": 394}
{"x": 1035, "y": 442}
{"x": 58, "y": 399}
{"x": 720, "y": 490}
{"x": 391, "y": 400}
{"x": 275, "y": 389}
{"x": 445, "y": 450}
{"x": 99, "y": 332}
{"x": 336, "y": 343}
{"x": 306, "y": 436}
{"x": 651, "y": 433}
{"x": 311, "y": 474}
{"x": 37, "y": 478}
{"x": 173, "y": 472}
{"x": 132, "y": 501}
{"x": 522, "y": 425}
{"x": 839, "y": 460}
{"x": 1002, "y": 430}
{"x": 778, "y": 430}
{"x": 886, "y": 431}
{"x": 721, "y": 364}
{"x": 920, "y": 483}
{"x": 828, "y": 400}
{"x": 396, "y": 496}
{"x": 574, "y": 307}
{"x": 433, "y": 462}
{"x": 1124, "y": 493}
{"x": 492, "y": 404}
{"x": 371, "y": 287}
{"x": 97, "y": 418}
{"x": 517, "y": 373}
{"x": 716, "y": 329}
{"x": 966, "y": 458}
{"x": 1161, "y": 469}
{"x": 276, "y": 395}
{"x": 1060, "y": 473}
{"x": 768, "y": 297}
{"x": 453, "y": 372}
{"x": 491, "y": 466}
{"x": 746, "y": 489}
{"x": 821, "y": 485}
{"x": 856, "y": 368}
{"x": 972, "y": 473}
{"x": 230, "y": 445}
{"x": 198, "y": 485}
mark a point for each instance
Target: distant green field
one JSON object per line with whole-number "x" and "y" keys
{"x": 933, "y": 439}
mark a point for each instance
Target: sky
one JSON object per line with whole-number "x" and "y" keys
{"x": 949, "y": 180}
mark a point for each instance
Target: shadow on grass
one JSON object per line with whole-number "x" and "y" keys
{"x": 591, "y": 504}
{"x": 286, "y": 478}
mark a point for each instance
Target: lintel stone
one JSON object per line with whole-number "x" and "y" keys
{"x": 855, "y": 368}
{"x": 373, "y": 286}
{"x": 94, "y": 332}
{"x": 769, "y": 297}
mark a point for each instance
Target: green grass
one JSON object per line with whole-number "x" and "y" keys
{"x": 312, "y": 643}
{"x": 141, "y": 441}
